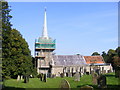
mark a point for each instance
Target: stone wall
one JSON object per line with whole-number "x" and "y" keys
{"x": 57, "y": 70}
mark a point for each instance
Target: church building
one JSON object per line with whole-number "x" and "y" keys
{"x": 48, "y": 63}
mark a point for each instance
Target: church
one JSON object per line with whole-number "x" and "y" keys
{"x": 48, "y": 63}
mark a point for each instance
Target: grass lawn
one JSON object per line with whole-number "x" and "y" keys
{"x": 112, "y": 82}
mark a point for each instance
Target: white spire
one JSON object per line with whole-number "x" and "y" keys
{"x": 44, "y": 33}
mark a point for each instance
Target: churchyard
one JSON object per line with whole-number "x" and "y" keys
{"x": 107, "y": 80}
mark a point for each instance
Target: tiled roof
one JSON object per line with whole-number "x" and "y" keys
{"x": 93, "y": 59}
{"x": 68, "y": 60}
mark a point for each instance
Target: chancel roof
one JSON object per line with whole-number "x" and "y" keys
{"x": 94, "y": 59}
{"x": 69, "y": 60}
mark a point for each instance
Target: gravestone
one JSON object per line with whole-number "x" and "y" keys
{"x": 109, "y": 71}
{"x": 53, "y": 76}
{"x": 104, "y": 71}
{"x": 97, "y": 71}
{"x": 69, "y": 74}
{"x": 92, "y": 72}
{"x": 66, "y": 74}
{"x": 64, "y": 85}
{"x": 101, "y": 81}
{"x": 77, "y": 76}
{"x": 45, "y": 78}
{"x": 87, "y": 73}
{"x": 86, "y": 87}
{"x": 94, "y": 78}
{"x": 18, "y": 78}
{"x": 41, "y": 77}
{"x": 73, "y": 74}
{"x": 21, "y": 77}
{"x": 81, "y": 74}
{"x": 62, "y": 75}
{"x": 26, "y": 79}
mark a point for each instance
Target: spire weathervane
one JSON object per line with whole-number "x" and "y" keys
{"x": 44, "y": 33}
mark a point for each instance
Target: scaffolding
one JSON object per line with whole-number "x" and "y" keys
{"x": 43, "y": 43}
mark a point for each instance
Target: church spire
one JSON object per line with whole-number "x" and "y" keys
{"x": 44, "y": 33}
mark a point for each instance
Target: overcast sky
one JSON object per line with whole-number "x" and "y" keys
{"x": 82, "y": 27}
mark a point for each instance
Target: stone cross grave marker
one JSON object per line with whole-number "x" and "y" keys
{"x": 77, "y": 76}
{"x": 94, "y": 78}
{"x": 64, "y": 85}
{"x": 101, "y": 81}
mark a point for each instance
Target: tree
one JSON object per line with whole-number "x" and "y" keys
{"x": 95, "y": 53}
{"x": 6, "y": 28}
{"x": 104, "y": 55}
{"x": 17, "y": 58}
{"x": 118, "y": 51}
{"x": 19, "y": 61}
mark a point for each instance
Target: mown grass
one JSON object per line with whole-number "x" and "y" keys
{"x": 112, "y": 82}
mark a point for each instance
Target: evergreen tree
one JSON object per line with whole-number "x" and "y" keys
{"x": 95, "y": 53}
{"x": 6, "y": 28}
{"x": 17, "y": 58}
{"x": 104, "y": 55}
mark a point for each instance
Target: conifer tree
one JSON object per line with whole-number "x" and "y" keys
{"x": 16, "y": 56}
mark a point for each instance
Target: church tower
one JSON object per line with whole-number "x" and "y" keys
{"x": 44, "y": 47}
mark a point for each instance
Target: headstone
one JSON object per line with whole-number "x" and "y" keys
{"x": 41, "y": 77}
{"x": 45, "y": 78}
{"x": 87, "y": 73}
{"x": 73, "y": 74}
{"x": 53, "y": 76}
{"x": 86, "y": 87}
{"x": 26, "y": 79}
{"x": 109, "y": 71}
{"x": 77, "y": 77}
{"x": 92, "y": 72}
{"x": 81, "y": 74}
{"x": 18, "y": 78}
{"x": 31, "y": 76}
{"x": 94, "y": 78}
{"x": 104, "y": 71}
{"x": 97, "y": 71}
{"x": 62, "y": 75}
{"x": 64, "y": 85}
{"x": 69, "y": 74}
{"x": 101, "y": 81}
{"x": 21, "y": 77}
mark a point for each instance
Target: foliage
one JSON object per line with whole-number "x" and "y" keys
{"x": 112, "y": 56}
{"x": 16, "y": 55}
{"x": 95, "y": 53}
{"x": 6, "y": 28}
{"x": 17, "y": 58}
